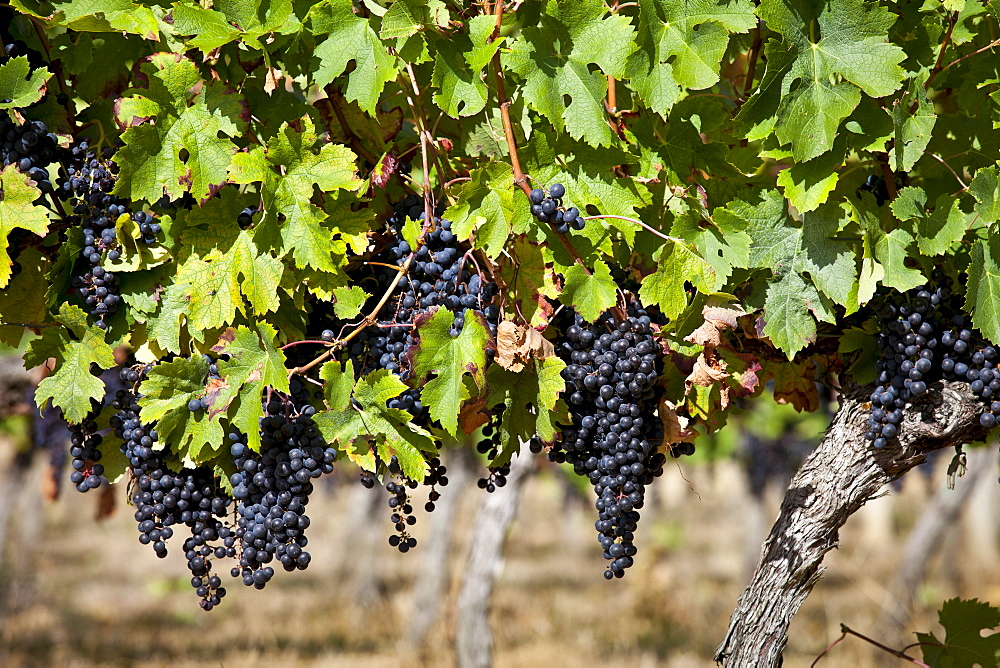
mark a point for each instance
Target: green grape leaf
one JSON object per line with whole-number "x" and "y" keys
{"x": 937, "y": 231}
{"x": 590, "y": 295}
{"x": 891, "y": 252}
{"x": 165, "y": 326}
{"x": 871, "y": 126}
{"x": 110, "y": 16}
{"x": 985, "y": 188}
{"x": 17, "y": 210}
{"x": 350, "y": 37}
{"x": 833, "y": 52}
{"x": 676, "y": 147}
{"x": 810, "y": 268}
{"x": 366, "y": 421}
{"x": 535, "y": 396}
{"x": 983, "y": 297}
{"x": 809, "y": 184}
{"x": 350, "y": 301}
{"x": 787, "y": 306}
{"x": 209, "y": 27}
{"x": 338, "y": 384}
{"x": 256, "y": 18}
{"x": 450, "y": 359}
{"x": 681, "y": 45}
{"x": 724, "y": 244}
{"x": 554, "y": 60}
{"x": 23, "y": 301}
{"x": 964, "y": 643}
{"x": 289, "y": 169}
{"x": 21, "y": 85}
{"x": 254, "y": 364}
{"x": 677, "y": 264}
{"x": 71, "y": 386}
{"x": 215, "y": 287}
{"x": 167, "y": 389}
{"x": 883, "y": 255}
{"x": 458, "y": 65}
{"x": 913, "y": 117}
{"x": 180, "y": 150}
{"x": 527, "y": 270}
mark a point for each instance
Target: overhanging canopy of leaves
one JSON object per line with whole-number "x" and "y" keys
{"x": 716, "y": 146}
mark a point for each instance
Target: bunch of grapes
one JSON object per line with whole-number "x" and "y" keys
{"x": 31, "y": 147}
{"x": 402, "y": 514}
{"x": 442, "y": 274}
{"x": 85, "y": 437}
{"x": 549, "y": 209}
{"x": 490, "y": 445}
{"x": 272, "y": 489}
{"x": 924, "y": 337}
{"x": 908, "y": 339}
{"x": 611, "y": 388}
{"x": 968, "y": 357}
{"x": 87, "y": 186}
{"x": 164, "y": 498}
{"x": 84, "y": 446}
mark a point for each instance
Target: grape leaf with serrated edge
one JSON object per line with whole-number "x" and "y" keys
{"x": 552, "y": 70}
{"x": 450, "y": 359}
{"x": 17, "y": 211}
{"x": 71, "y": 386}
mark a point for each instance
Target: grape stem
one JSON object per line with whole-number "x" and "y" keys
{"x": 641, "y": 224}
{"x": 846, "y": 631}
{"x": 372, "y": 317}
{"x": 520, "y": 179}
{"x": 938, "y": 67}
{"x": 369, "y": 319}
{"x": 425, "y": 144}
{"x": 953, "y": 173}
{"x": 296, "y": 343}
{"x": 989, "y": 46}
{"x": 57, "y": 68}
{"x": 752, "y": 60}
{"x": 456, "y": 180}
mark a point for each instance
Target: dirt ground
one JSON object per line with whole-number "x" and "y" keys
{"x": 75, "y": 592}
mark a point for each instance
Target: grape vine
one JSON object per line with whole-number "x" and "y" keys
{"x": 331, "y": 235}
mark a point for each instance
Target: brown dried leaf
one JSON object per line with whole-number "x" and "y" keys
{"x": 718, "y": 319}
{"x": 518, "y": 345}
{"x": 538, "y": 345}
{"x": 509, "y": 339}
{"x": 674, "y": 426}
{"x": 706, "y": 372}
{"x": 271, "y": 80}
{"x": 472, "y": 416}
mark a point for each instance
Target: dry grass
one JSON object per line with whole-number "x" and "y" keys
{"x": 80, "y": 593}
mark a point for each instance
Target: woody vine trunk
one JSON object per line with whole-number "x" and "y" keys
{"x": 840, "y": 476}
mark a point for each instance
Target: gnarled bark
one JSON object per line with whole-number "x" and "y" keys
{"x": 840, "y": 476}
